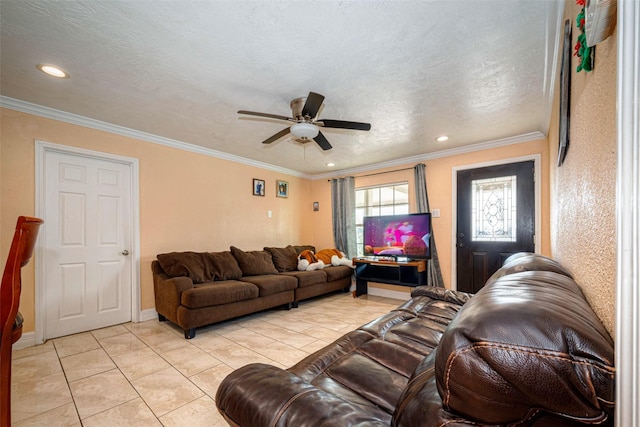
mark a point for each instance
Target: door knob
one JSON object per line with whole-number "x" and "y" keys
{"x": 125, "y": 252}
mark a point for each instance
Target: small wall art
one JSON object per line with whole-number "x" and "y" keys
{"x": 282, "y": 188}
{"x": 258, "y": 187}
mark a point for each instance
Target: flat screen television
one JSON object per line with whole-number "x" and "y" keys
{"x": 398, "y": 236}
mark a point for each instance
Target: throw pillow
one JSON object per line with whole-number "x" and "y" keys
{"x": 190, "y": 264}
{"x": 254, "y": 263}
{"x": 201, "y": 267}
{"x": 285, "y": 259}
{"x": 223, "y": 266}
{"x": 299, "y": 249}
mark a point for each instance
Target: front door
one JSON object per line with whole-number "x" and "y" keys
{"x": 495, "y": 218}
{"x": 87, "y": 243}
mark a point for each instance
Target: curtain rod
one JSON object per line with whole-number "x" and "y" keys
{"x": 380, "y": 173}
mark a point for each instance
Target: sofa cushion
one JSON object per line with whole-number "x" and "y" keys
{"x": 200, "y": 267}
{"x": 554, "y": 356}
{"x": 254, "y": 263}
{"x": 525, "y": 261}
{"x": 337, "y": 272}
{"x": 218, "y": 293}
{"x": 300, "y": 248}
{"x": 272, "y": 283}
{"x": 284, "y": 259}
{"x": 308, "y": 278}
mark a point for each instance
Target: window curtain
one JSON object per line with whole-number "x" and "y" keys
{"x": 434, "y": 274}
{"x": 343, "y": 202}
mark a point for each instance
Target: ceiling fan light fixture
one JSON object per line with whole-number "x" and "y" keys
{"x": 304, "y": 130}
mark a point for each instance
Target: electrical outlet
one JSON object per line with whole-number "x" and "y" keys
{"x": 435, "y": 213}
{"x": 269, "y": 214}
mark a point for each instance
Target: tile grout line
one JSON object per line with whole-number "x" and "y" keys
{"x": 269, "y": 318}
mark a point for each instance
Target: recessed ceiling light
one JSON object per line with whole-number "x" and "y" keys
{"x": 330, "y": 164}
{"x": 54, "y": 71}
{"x": 442, "y": 138}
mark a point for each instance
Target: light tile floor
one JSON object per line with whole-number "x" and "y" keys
{"x": 147, "y": 374}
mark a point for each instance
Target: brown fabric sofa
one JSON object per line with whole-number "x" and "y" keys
{"x": 526, "y": 350}
{"x": 194, "y": 289}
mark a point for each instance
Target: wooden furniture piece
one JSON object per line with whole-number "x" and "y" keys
{"x": 409, "y": 273}
{"x": 22, "y": 245}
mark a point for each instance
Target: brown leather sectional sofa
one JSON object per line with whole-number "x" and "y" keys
{"x": 526, "y": 350}
{"x": 194, "y": 289}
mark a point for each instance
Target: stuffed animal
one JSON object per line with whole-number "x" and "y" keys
{"x": 308, "y": 260}
{"x": 333, "y": 257}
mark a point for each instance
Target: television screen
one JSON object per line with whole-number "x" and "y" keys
{"x": 406, "y": 235}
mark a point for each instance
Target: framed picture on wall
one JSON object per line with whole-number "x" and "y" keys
{"x": 282, "y": 188}
{"x": 258, "y": 187}
{"x": 565, "y": 94}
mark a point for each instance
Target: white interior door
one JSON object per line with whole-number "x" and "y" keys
{"x": 88, "y": 238}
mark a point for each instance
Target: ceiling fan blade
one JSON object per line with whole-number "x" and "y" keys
{"x": 341, "y": 124}
{"x": 312, "y": 105}
{"x": 322, "y": 141}
{"x": 277, "y": 136}
{"x": 271, "y": 116}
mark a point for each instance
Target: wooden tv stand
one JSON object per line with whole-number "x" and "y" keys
{"x": 385, "y": 270}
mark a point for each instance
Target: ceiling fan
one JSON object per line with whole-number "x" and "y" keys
{"x": 306, "y": 126}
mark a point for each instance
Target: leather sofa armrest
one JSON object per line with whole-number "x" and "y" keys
{"x": 263, "y": 395}
{"x": 441, "y": 294}
{"x": 168, "y": 291}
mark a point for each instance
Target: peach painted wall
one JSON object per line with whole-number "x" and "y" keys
{"x": 583, "y": 189}
{"x": 188, "y": 201}
{"x": 439, "y": 186}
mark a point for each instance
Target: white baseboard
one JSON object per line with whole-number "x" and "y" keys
{"x": 28, "y": 339}
{"x": 149, "y": 314}
{"x": 386, "y": 293}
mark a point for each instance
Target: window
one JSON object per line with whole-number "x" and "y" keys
{"x": 493, "y": 209}
{"x": 389, "y": 199}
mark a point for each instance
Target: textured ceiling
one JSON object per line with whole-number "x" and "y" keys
{"x": 476, "y": 70}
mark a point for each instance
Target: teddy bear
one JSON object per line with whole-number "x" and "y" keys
{"x": 308, "y": 260}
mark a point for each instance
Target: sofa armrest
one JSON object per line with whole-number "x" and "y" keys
{"x": 167, "y": 292}
{"x": 263, "y": 395}
{"x": 441, "y": 294}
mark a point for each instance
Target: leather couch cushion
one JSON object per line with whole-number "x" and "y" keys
{"x": 284, "y": 259}
{"x": 421, "y": 405}
{"x": 200, "y": 267}
{"x": 254, "y": 263}
{"x": 525, "y": 261}
{"x": 218, "y": 293}
{"x": 554, "y": 356}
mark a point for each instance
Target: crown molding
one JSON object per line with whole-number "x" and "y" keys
{"x": 75, "y": 119}
{"x": 527, "y": 137}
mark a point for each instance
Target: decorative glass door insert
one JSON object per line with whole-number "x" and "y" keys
{"x": 493, "y": 209}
